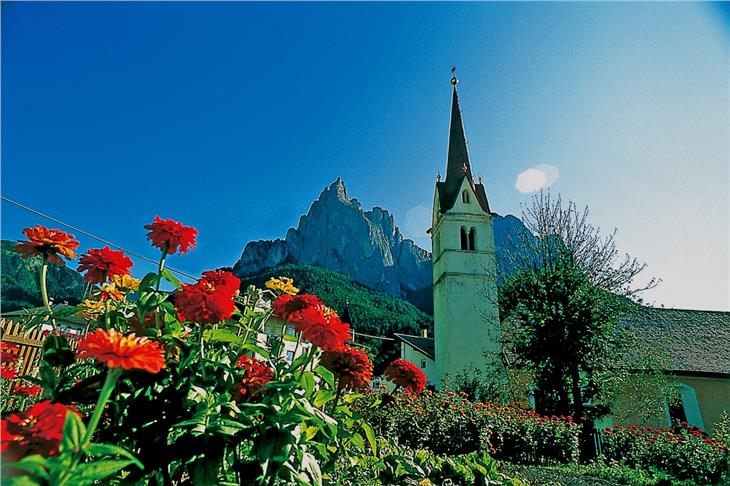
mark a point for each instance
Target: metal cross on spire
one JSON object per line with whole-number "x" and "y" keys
{"x": 454, "y": 79}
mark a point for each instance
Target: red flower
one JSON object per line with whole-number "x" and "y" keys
{"x": 8, "y": 371}
{"x": 171, "y": 235}
{"x": 8, "y": 352}
{"x": 322, "y": 327}
{"x": 38, "y": 430}
{"x": 256, "y": 374}
{"x": 103, "y": 263}
{"x": 209, "y": 300}
{"x": 27, "y": 390}
{"x": 129, "y": 352}
{"x": 351, "y": 367}
{"x": 404, "y": 373}
{"x": 290, "y": 307}
{"x": 221, "y": 281}
{"x": 48, "y": 243}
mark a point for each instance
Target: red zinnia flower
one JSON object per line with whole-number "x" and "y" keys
{"x": 351, "y": 367}
{"x": 256, "y": 375}
{"x": 27, "y": 390}
{"x": 38, "y": 430}
{"x": 8, "y": 371}
{"x": 171, "y": 235}
{"x": 49, "y": 243}
{"x": 129, "y": 352}
{"x": 101, "y": 264}
{"x": 8, "y": 352}
{"x": 290, "y": 307}
{"x": 209, "y": 300}
{"x": 404, "y": 373}
{"x": 322, "y": 327}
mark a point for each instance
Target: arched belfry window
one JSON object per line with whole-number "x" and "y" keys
{"x": 464, "y": 243}
{"x": 465, "y": 196}
{"x": 472, "y": 239}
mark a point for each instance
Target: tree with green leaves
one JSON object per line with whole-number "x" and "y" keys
{"x": 561, "y": 311}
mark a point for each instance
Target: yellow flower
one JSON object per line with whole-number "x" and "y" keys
{"x": 126, "y": 283}
{"x": 111, "y": 292}
{"x": 284, "y": 285}
{"x": 91, "y": 309}
{"x": 425, "y": 482}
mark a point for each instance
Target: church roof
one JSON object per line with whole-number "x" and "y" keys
{"x": 697, "y": 341}
{"x": 423, "y": 344}
{"x": 458, "y": 165}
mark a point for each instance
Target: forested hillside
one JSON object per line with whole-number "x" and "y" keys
{"x": 371, "y": 311}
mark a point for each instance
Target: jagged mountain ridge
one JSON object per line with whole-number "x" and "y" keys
{"x": 338, "y": 234}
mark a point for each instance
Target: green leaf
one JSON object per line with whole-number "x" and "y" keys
{"x": 167, "y": 274}
{"x": 307, "y": 381}
{"x": 111, "y": 450}
{"x": 222, "y": 336}
{"x": 74, "y": 431}
{"x": 358, "y": 441}
{"x": 148, "y": 282}
{"x": 98, "y": 470}
{"x": 327, "y": 375}
{"x": 370, "y": 434}
{"x": 36, "y": 465}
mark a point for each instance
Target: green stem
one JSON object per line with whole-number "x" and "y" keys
{"x": 202, "y": 341}
{"x": 44, "y": 291}
{"x": 107, "y": 321}
{"x": 161, "y": 265}
{"x": 109, "y": 384}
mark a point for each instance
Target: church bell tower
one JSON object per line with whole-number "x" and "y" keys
{"x": 466, "y": 316}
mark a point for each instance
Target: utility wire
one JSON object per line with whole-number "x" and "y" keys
{"x": 91, "y": 235}
{"x": 98, "y": 238}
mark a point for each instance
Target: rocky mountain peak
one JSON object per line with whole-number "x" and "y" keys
{"x": 338, "y": 234}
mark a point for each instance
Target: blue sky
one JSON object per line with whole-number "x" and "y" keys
{"x": 232, "y": 117}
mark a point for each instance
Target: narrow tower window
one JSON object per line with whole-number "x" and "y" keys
{"x": 464, "y": 245}
{"x": 472, "y": 238}
{"x": 465, "y": 196}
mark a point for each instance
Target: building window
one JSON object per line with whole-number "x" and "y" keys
{"x": 464, "y": 245}
{"x": 423, "y": 363}
{"x": 472, "y": 238}
{"x": 465, "y": 196}
{"x": 291, "y": 331}
{"x": 685, "y": 409}
{"x": 290, "y": 356}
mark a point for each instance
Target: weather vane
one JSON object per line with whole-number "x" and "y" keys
{"x": 454, "y": 79}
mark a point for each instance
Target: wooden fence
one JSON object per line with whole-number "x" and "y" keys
{"x": 29, "y": 343}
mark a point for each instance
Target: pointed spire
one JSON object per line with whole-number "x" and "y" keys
{"x": 457, "y": 162}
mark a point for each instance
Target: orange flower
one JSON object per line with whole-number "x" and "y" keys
{"x": 101, "y": 264}
{"x": 129, "y": 352}
{"x": 48, "y": 243}
{"x": 171, "y": 235}
{"x": 351, "y": 367}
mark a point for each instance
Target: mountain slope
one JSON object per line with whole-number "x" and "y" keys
{"x": 21, "y": 287}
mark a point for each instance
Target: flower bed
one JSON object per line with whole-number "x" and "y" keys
{"x": 448, "y": 423}
{"x": 685, "y": 452}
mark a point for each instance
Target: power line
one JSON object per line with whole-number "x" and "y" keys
{"x": 91, "y": 235}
